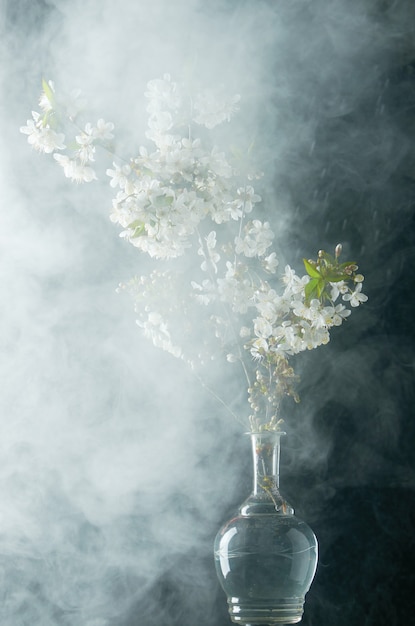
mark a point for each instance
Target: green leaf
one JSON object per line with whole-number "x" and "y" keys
{"x": 343, "y": 266}
{"x": 138, "y": 227}
{"x": 251, "y": 146}
{"x": 311, "y": 270}
{"x": 48, "y": 92}
{"x": 321, "y": 287}
{"x": 335, "y": 278}
{"x": 162, "y": 201}
{"x": 311, "y": 289}
{"x": 329, "y": 259}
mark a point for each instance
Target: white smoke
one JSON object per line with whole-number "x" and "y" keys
{"x": 112, "y": 459}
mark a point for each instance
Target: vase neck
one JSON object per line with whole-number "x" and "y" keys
{"x": 266, "y": 457}
{"x": 266, "y": 496}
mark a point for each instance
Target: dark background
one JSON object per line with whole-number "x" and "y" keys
{"x": 361, "y": 501}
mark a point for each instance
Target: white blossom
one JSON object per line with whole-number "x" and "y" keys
{"x": 338, "y": 314}
{"x": 247, "y": 198}
{"x": 211, "y": 109}
{"x": 355, "y": 297}
{"x": 42, "y": 138}
{"x": 262, "y": 327}
{"x": 294, "y": 284}
{"x": 235, "y": 288}
{"x": 119, "y": 175}
{"x": 212, "y": 257}
{"x": 74, "y": 169}
{"x": 155, "y": 328}
{"x": 259, "y": 348}
{"x": 270, "y": 263}
{"x": 258, "y": 238}
{"x": 313, "y": 337}
{"x": 103, "y": 130}
{"x": 206, "y": 292}
{"x": 269, "y": 304}
{"x": 338, "y": 288}
{"x": 85, "y": 140}
{"x": 162, "y": 92}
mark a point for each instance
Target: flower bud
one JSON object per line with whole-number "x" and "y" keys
{"x": 338, "y": 250}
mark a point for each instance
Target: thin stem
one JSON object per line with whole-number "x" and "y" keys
{"x": 225, "y": 308}
{"x": 218, "y": 398}
{"x": 240, "y": 231}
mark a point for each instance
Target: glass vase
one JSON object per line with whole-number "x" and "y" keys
{"x": 265, "y": 556}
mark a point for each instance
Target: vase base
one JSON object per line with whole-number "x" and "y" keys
{"x": 265, "y": 612}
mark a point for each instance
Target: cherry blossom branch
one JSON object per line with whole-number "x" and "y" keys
{"x": 181, "y": 196}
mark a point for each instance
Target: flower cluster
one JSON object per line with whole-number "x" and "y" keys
{"x": 182, "y": 196}
{"x": 44, "y": 137}
{"x": 165, "y": 194}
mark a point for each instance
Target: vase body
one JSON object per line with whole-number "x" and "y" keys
{"x": 265, "y": 556}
